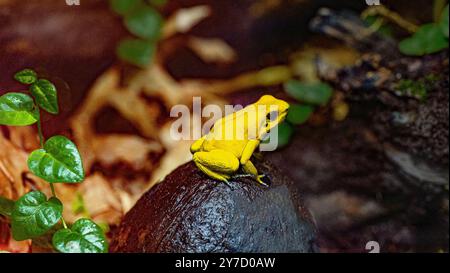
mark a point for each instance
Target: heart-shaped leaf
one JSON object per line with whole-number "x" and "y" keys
{"x": 34, "y": 215}
{"x": 26, "y": 76}
{"x": 144, "y": 22}
{"x": 313, "y": 93}
{"x": 83, "y": 237}
{"x": 46, "y": 96}
{"x": 427, "y": 40}
{"x": 137, "y": 52}
{"x": 59, "y": 161}
{"x": 17, "y": 109}
{"x": 123, "y": 7}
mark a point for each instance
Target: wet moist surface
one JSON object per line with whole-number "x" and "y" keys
{"x": 188, "y": 212}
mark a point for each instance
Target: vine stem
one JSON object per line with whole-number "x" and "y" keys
{"x": 438, "y": 7}
{"x": 39, "y": 126}
{"x": 41, "y": 141}
{"x": 391, "y": 16}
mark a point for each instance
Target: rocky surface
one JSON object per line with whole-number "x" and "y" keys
{"x": 189, "y": 212}
{"x": 382, "y": 174}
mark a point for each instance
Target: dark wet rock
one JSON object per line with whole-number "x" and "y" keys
{"x": 188, "y": 212}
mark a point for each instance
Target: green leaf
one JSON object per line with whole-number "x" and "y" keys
{"x": 123, "y": 7}
{"x": 427, "y": 40}
{"x": 313, "y": 93}
{"x": 144, "y": 22}
{"x": 285, "y": 132}
{"x": 26, "y": 76}
{"x": 137, "y": 52}
{"x": 34, "y": 215}
{"x": 46, "y": 96}
{"x": 444, "y": 22}
{"x": 59, "y": 161}
{"x": 83, "y": 237}
{"x": 299, "y": 114}
{"x": 6, "y": 206}
{"x": 17, "y": 109}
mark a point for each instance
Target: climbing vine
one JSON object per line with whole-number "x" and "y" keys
{"x": 57, "y": 161}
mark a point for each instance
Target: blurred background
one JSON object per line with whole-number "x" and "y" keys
{"x": 370, "y": 158}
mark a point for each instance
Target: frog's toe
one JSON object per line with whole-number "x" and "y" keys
{"x": 259, "y": 179}
{"x": 227, "y": 183}
{"x": 246, "y": 175}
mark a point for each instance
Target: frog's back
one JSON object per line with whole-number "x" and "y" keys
{"x": 232, "y": 133}
{"x": 234, "y": 146}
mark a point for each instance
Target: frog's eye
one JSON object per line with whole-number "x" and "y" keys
{"x": 272, "y": 114}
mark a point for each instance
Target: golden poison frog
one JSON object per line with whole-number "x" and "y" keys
{"x": 233, "y": 139}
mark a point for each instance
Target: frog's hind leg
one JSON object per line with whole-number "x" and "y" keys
{"x": 197, "y": 145}
{"x": 250, "y": 169}
{"x": 217, "y": 164}
{"x": 218, "y": 176}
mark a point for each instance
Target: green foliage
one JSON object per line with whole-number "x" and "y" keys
{"x": 136, "y": 51}
{"x": 45, "y": 95}
{"x": 34, "y": 215}
{"x": 58, "y": 161}
{"x": 412, "y": 88}
{"x": 143, "y": 21}
{"x": 123, "y": 7}
{"x": 83, "y": 237}
{"x": 299, "y": 114}
{"x": 26, "y": 76}
{"x": 416, "y": 88}
{"x": 429, "y": 38}
{"x": 17, "y": 109}
{"x": 285, "y": 132}
{"x": 313, "y": 93}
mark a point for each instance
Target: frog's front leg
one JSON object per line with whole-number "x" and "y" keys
{"x": 250, "y": 168}
{"x": 217, "y": 164}
{"x": 249, "y": 149}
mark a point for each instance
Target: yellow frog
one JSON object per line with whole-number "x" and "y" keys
{"x": 233, "y": 139}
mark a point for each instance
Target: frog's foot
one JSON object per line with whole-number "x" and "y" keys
{"x": 247, "y": 175}
{"x": 217, "y": 164}
{"x": 258, "y": 178}
{"x": 250, "y": 169}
